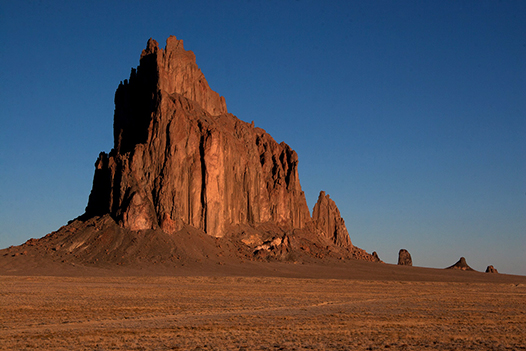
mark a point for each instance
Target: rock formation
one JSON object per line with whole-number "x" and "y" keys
{"x": 328, "y": 221}
{"x": 180, "y": 159}
{"x": 404, "y": 258}
{"x": 462, "y": 265}
{"x": 375, "y": 256}
{"x": 186, "y": 181}
{"x": 491, "y": 269}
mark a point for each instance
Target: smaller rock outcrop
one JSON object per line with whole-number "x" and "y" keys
{"x": 375, "y": 257}
{"x": 404, "y": 258}
{"x": 462, "y": 265}
{"x": 491, "y": 269}
{"x": 327, "y": 219}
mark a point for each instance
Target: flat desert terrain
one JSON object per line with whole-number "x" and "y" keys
{"x": 259, "y": 313}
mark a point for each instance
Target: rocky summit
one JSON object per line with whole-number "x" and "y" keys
{"x": 185, "y": 178}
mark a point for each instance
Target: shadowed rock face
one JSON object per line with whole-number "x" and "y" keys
{"x": 180, "y": 159}
{"x": 404, "y": 258}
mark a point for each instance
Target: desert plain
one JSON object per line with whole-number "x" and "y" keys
{"x": 267, "y": 306}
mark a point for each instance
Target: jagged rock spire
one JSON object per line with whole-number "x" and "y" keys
{"x": 328, "y": 220}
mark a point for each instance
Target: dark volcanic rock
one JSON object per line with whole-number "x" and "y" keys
{"x": 404, "y": 258}
{"x": 491, "y": 269}
{"x": 462, "y": 265}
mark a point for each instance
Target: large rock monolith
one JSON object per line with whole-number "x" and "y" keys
{"x": 180, "y": 158}
{"x": 186, "y": 181}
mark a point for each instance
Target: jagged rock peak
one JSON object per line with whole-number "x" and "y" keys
{"x": 178, "y": 73}
{"x": 462, "y": 265}
{"x": 327, "y": 219}
{"x": 404, "y": 258}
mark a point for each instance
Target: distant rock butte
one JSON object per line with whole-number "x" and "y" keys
{"x": 404, "y": 258}
{"x": 376, "y": 258}
{"x": 491, "y": 269}
{"x": 182, "y": 166}
{"x": 462, "y": 265}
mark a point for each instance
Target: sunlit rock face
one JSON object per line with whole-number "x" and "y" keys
{"x": 180, "y": 158}
{"x": 328, "y": 221}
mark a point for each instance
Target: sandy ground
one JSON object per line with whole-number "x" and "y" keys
{"x": 258, "y": 313}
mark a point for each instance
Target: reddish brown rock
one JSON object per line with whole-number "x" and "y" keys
{"x": 187, "y": 182}
{"x": 178, "y": 73}
{"x": 491, "y": 269}
{"x": 375, "y": 257}
{"x": 327, "y": 219}
{"x": 180, "y": 159}
{"x": 462, "y": 265}
{"x": 404, "y": 258}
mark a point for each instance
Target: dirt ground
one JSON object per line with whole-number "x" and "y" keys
{"x": 258, "y": 313}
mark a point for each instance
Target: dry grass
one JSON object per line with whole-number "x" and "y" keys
{"x": 218, "y": 313}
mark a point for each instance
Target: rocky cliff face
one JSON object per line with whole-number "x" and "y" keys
{"x": 180, "y": 159}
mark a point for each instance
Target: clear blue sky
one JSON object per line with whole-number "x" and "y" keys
{"x": 410, "y": 114}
